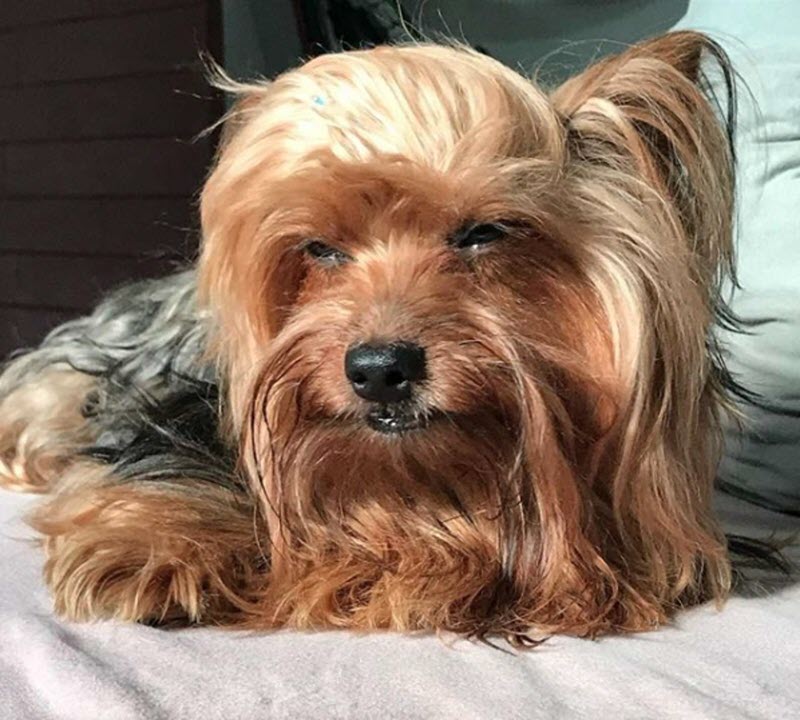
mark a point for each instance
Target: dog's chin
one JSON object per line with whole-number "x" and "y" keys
{"x": 399, "y": 419}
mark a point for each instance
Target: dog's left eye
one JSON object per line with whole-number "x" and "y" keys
{"x": 325, "y": 254}
{"x": 476, "y": 235}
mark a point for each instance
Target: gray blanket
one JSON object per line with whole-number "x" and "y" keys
{"x": 743, "y": 662}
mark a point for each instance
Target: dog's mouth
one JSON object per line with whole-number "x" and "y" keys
{"x": 395, "y": 419}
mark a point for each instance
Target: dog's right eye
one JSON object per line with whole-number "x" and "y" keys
{"x": 475, "y": 236}
{"x": 325, "y": 254}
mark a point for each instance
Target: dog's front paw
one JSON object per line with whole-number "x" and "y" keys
{"x": 144, "y": 553}
{"x": 42, "y": 429}
{"x": 94, "y": 578}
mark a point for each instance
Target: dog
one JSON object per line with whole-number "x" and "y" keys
{"x": 446, "y": 362}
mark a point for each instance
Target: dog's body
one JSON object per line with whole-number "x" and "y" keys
{"x": 447, "y": 362}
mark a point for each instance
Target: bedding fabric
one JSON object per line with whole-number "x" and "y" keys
{"x": 743, "y": 662}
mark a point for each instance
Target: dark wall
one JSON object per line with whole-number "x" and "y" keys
{"x": 260, "y": 37}
{"x": 99, "y": 102}
{"x": 555, "y": 38}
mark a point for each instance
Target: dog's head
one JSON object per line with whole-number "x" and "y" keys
{"x": 464, "y": 327}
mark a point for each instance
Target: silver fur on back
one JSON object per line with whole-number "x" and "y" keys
{"x": 154, "y": 410}
{"x": 140, "y": 335}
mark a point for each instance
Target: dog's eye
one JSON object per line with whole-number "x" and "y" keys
{"x": 325, "y": 254}
{"x": 476, "y": 235}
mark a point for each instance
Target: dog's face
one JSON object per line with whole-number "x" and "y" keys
{"x": 443, "y": 303}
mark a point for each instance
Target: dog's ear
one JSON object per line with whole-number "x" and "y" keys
{"x": 649, "y": 169}
{"x": 631, "y": 70}
{"x": 652, "y": 110}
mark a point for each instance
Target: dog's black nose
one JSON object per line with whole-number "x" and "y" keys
{"x": 384, "y": 373}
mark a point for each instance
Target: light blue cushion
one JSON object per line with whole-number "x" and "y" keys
{"x": 763, "y": 39}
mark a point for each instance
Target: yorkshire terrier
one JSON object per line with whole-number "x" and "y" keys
{"x": 447, "y": 361}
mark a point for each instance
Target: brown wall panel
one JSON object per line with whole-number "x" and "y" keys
{"x": 71, "y": 283}
{"x": 18, "y": 13}
{"x": 9, "y": 59}
{"x": 86, "y": 226}
{"x": 24, "y": 327}
{"x": 110, "y": 107}
{"x": 139, "y": 166}
{"x": 107, "y": 46}
{"x": 98, "y": 177}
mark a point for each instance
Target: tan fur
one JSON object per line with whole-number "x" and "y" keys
{"x": 145, "y": 553}
{"x": 41, "y": 429}
{"x": 565, "y": 483}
